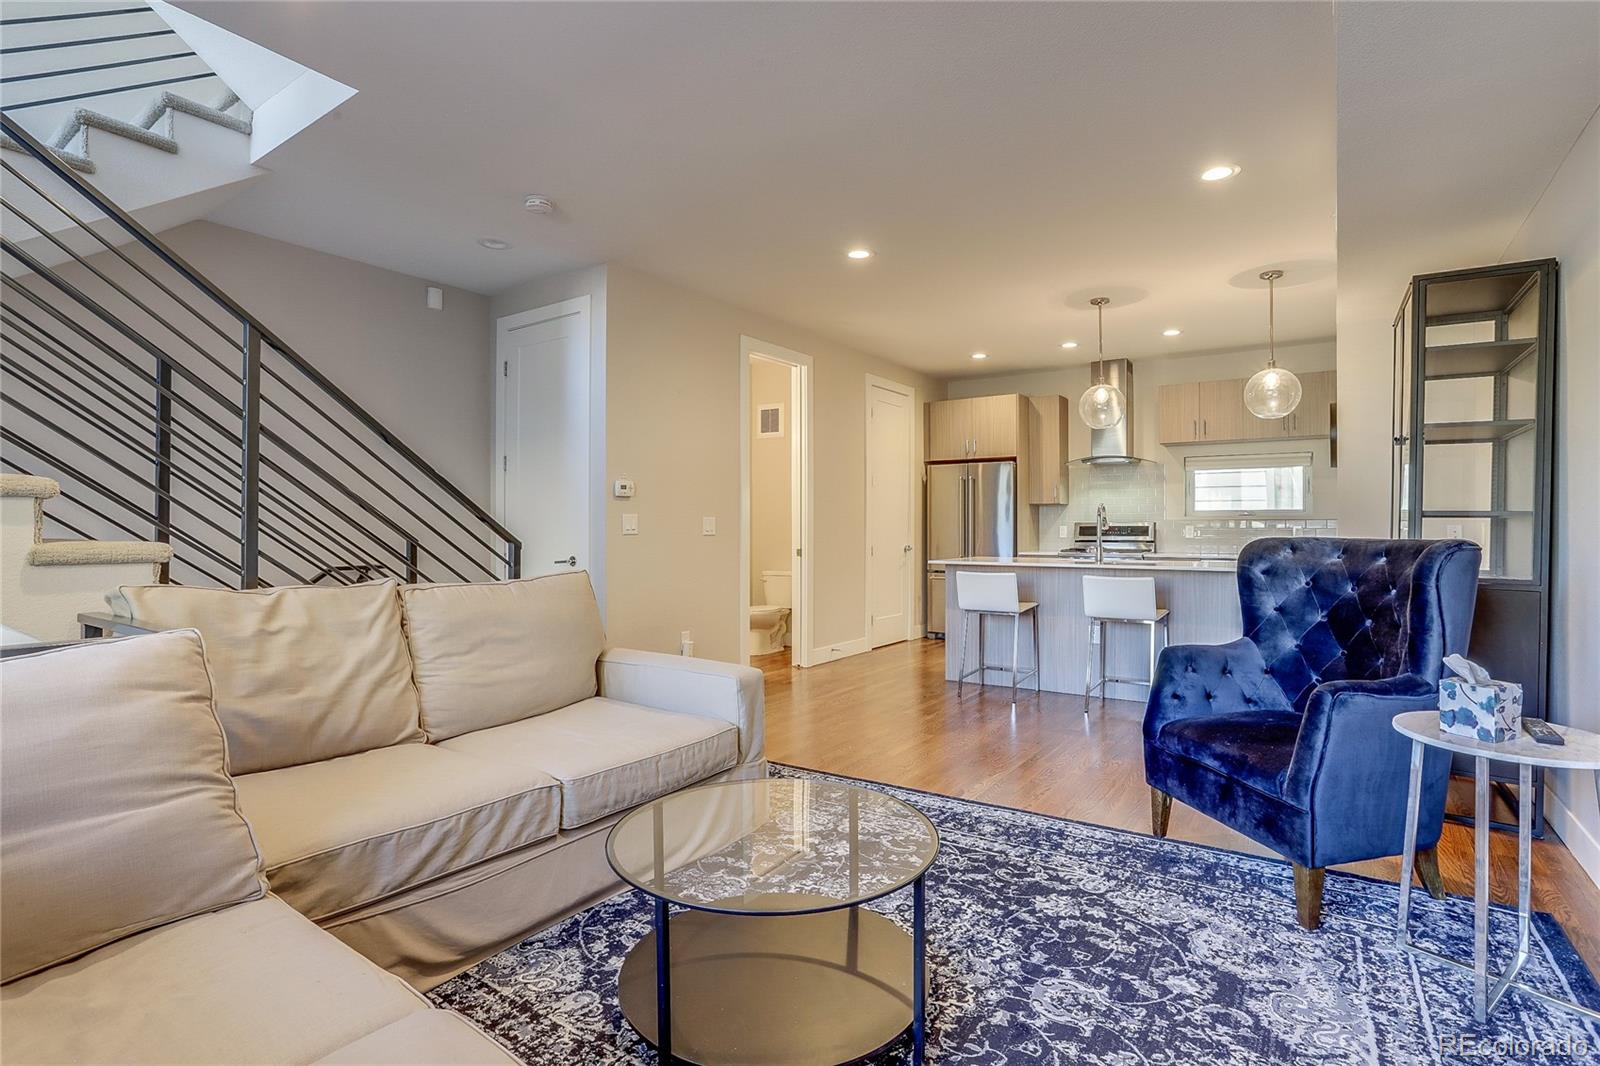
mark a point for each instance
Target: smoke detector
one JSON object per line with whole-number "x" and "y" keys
{"x": 539, "y": 205}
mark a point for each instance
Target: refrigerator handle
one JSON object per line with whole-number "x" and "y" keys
{"x": 966, "y": 516}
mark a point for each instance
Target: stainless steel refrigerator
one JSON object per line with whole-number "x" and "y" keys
{"x": 972, "y": 511}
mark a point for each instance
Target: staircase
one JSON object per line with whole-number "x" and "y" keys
{"x": 117, "y": 93}
{"x": 153, "y": 411}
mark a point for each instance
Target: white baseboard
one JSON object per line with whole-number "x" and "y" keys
{"x": 1579, "y": 838}
{"x": 839, "y": 651}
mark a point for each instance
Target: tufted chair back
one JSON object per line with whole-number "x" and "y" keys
{"x": 1330, "y": 609}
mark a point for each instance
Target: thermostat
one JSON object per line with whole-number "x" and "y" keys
{"x": 623, "y": 488}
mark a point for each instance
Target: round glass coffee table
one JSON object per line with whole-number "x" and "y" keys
{"x": 775, "y": 959}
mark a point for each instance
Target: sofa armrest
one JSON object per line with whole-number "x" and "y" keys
{"x": 1199, "y": 679}
{"x": 704, "y": 687}
{"x": 1347, "y": 743}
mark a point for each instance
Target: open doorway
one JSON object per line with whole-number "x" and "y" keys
{"x": 774, "y": 397}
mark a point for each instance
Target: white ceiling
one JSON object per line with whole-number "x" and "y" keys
{"x": 1006, "y": 161}
{"x": 1453, "y": 117}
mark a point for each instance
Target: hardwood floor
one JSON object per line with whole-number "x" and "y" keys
{"x": 890, "y": 716}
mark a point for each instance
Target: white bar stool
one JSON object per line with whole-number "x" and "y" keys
{"x": 981, "y": 595}
{"x": 1119, "y": 599}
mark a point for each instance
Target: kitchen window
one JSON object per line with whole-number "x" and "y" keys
{"x": 1247, "y": 486}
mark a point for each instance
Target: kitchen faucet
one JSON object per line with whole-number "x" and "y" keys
{"x": 1099, "y": 530}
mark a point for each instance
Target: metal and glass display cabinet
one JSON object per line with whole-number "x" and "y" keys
{"x": 1474, "y": 406}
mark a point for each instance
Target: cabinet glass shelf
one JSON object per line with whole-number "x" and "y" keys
{"x": 1487, "y": 431}
{"x": 1476, "y": 358}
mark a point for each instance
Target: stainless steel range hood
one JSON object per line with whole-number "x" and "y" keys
{"x": 1114, "y": 446}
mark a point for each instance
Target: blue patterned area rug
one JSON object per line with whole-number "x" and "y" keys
{"x": 1057, "y": 942}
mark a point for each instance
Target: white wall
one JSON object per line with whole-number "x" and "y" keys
{"x": 1566, "y": 224}
{"x": 1087, "y": 484}
{"x": 770, "y": 476}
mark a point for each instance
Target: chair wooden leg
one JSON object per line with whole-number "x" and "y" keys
{"x": 1160, "y": 812}
{"x": 1427, "y": 864}
{"x": 1308, "y": 895}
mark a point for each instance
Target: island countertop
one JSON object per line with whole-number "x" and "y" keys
{"x": 1200, "y": 594}
{"x": 1054, "y": 562}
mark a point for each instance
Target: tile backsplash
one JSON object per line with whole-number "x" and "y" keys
{"x": 1137, "y": 492}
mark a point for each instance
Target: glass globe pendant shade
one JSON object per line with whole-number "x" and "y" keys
{"x": 1102, "y": 406}
{"x": 1272, "y": 392}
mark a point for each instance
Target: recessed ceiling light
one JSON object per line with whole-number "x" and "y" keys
{"x": 494, "y": 244}
{"x": 980, "y": 355}
{"x": 1069, "y": 344}
{"x": 539, "y": 205}
{"x": 1171, "y": 332}
{"x": 1220, "y": 172}
{"x": 859, "y": 253}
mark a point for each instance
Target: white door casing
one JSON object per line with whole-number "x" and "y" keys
{"x": 891, "y": 569}
{"x": 541, "y": 456}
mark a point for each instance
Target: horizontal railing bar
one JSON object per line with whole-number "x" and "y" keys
{"x": 143, "y": 375}
{"x": 150, "y": 241}
{"x": 272, "y": 436}
{"x": 116, "y": 250}
{"x": 109, "y": 92}
{"x": 52, "y": 346}
{"x": 86, "y": 41}
{"x": 11, "y": 401}
{"x": 84, "y": 479}
{"x": 94, "y": 67}
{"x": 90, "y": 305}
{"x": 130, "y": 297}
{"x": 35, "y": 19}
{"x": 369, "y": 479}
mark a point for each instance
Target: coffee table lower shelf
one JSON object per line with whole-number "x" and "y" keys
{"x": 831, "y": 987}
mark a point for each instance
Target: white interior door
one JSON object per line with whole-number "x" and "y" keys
{"x": 890, "y": 559}
{"x": 542, "y": 443}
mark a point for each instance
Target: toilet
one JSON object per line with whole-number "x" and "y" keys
{"x": 769, "y": 621}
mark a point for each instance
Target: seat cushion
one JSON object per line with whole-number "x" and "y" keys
{"x": 302, "y": 673}
{"x": 119, "y": 814}
{"x": 346, "y": 832}
{"x": 1250, "y": 747}
{"x": 255, "y": 983}
{"x": 426, "y": 1038}
{"x": 608, "y": 755}
{"x": 490, "y": 653}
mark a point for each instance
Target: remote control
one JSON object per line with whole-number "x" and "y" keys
{"x": 1541, "y": 732}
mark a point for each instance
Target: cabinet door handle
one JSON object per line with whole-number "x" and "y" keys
{"x": 1194, "y": 430}
{"x": 1205, "y": 430}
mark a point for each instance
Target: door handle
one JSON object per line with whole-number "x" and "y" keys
{"x": 908, "y": 547}
{"x": 571, "y": 560}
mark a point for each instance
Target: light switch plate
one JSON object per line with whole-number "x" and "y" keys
{"x": 708, "y": 526}
{"x": 630, "y": 525}
{"x": 1064, "y": 532}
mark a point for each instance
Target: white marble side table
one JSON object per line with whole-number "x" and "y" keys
{"x": 1581, "y": 752}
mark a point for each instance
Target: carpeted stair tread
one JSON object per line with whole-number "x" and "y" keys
{"x": 97, "y": 552}
{"x": 39, "y": 488}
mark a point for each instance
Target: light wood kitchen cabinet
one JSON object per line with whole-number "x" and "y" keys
{"x": 978, "y": 427}
{"x": 1213, "y": 412}
{"x": 949, "y": 430}
{"x": 1048, "y": 421}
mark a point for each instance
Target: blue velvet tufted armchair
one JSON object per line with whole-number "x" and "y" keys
{"x": 1284, "y": 734}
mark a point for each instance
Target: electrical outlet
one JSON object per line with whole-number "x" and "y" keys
{"x": 1453, "y": 531}
{"x": 1064, "y": 532}
{"x": 630, "y": 525}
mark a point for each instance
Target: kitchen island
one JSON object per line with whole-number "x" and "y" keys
{"x": 1201, "y": 595}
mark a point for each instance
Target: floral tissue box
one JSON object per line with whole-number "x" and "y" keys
{"x": 1491, "y": 713}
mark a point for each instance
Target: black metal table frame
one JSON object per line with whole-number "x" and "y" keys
{"x": 919, "y": 936}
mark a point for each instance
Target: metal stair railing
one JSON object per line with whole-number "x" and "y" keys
{"x": 168, "y": 411}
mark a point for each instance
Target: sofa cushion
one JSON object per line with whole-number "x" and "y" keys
{"x": 119, "y": 814}
{"x": 342, "y": 833}
{"x": 302, "y": 673}
{"x": 1250, "y": 746}
{"x": 491, "y": 653}
{"x": 426, "y": 1038}
{"x": 608, "y": 755}
{"x": 256, "y": 983}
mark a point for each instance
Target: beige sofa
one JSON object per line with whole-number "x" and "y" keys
{"x": 136, "y": 925}
{"x": 431, "y": 770}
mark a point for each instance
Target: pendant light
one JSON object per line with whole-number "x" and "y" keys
{"x": 1272, "y": 392}
{"x": 1102, "y": 404}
